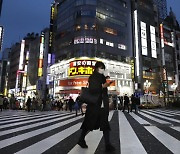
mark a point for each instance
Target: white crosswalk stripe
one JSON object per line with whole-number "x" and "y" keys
{"x": 44, "y": 132}
{"x": 169, "y": 141}
{"x": 127, "y": 135}
{"x": 164, "y": 117}
{"x": 155, "y": 119}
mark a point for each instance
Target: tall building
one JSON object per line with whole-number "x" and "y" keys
{"x": 162, "y": 8}
{"x": 94, "y": 28}
{"x": 147, "y": 47}
{"x": 89, "y": 30}
{"x": 4, "y": 66}
{"x": 170, "y": 42}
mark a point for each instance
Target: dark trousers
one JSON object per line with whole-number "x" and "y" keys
{"x": 133, "y": 106}
{"x": 124, "y": 107}
{"x": 1, "y": 107}
{"x": 105, "y": 134}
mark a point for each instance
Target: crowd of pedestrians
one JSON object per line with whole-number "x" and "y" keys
{"x": 67, "y": 104}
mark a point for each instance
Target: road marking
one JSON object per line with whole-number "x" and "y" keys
{"x": 34, "y": 125}
{"x": 47, "y": 143}
{"x": 129, "y": 142}
{"x": 163, "y": 117}
{"x": 139, "y": 119}
{"x": 22, "y": 137}
{"x": 170, "y": 142}
{"x": 177, "y": 128}
{"x": 155, "y": 119}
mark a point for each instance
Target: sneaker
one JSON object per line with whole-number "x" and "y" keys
{"x": 82, "y": 144}
{"x": 110, "y": 148}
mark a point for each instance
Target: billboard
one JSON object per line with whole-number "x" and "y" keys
{"x": 41, "y": 56}
{"x": 81, "y": 67}
{"x": 153, "y": 41}
{"x": 21, "y": 59}
{"x": 144, "y": 39}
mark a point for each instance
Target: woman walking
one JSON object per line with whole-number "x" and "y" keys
{"x": 97, "y": 113}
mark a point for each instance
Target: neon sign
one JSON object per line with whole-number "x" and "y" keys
{"x": 81, "y": 68}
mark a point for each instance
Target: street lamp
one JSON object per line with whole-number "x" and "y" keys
{"x": 147, "y": 84}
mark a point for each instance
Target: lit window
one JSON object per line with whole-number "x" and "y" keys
{"x": 101, "y": 41}
{"x": 107, "y": 43}
{"x": 86, "y": 27}
{"x": 111, "y": 44}
{"x": 122, "y": 46}
{"x": 78, "y": 28}
{"x": 110, "y": 31}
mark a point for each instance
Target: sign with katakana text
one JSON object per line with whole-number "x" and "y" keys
{"x": 81, "y": 67}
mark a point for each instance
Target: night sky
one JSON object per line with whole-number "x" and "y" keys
{"x": 20, "y": 17}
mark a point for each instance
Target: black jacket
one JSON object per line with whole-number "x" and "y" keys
{"x": 95, "y": 116}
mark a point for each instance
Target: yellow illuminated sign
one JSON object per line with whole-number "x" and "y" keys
{"x": 52, "y": 12}
{"x": 39, "y": 71}
{"x": 132, "y": 69}
{"x": 80, "y": 71}
{"x": 81, "y": 67}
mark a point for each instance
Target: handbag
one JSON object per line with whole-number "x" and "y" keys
{"x": 87, "y": 97}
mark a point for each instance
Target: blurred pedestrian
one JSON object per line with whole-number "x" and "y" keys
{"x": 97, "y": 113}
{"x": 78, "y": 100}
{"x": 28, "y": 104}
{"x": 12, "y": 102}
{"x": 43, "y": 104}
{"x": 34, "y": 104}
{"x": 126, "y": 103}
{"x": 70, "y": 103}
{"x": 5, "y": 103}
{"x": 76, "y": 107}
{"x": 138, "y": 102}
{"x": 133, "y": 102}
{"x": 1, "y": 102}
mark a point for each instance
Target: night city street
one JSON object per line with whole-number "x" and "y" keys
{"x": 89, "y": 76}
{"x": 150, "y": 131}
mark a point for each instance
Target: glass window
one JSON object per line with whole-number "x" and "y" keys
{"x": 101, "y": 41}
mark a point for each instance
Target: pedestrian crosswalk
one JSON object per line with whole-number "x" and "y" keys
{"x": 149, "y": 131}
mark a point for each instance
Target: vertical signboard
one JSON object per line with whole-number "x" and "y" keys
{"x": 153, "y": 42}
{"x": 136, "y": 42}
{"x": 162, "y": 43}
{"x": 144, "y": 39}
{"x": 41, "y": 56}
{"x": 21, "y": 58}
{"x": 1, "y": 36}
{"x": 132, "y": 69}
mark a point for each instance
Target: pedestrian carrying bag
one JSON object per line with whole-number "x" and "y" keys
{"x": 87, "y": 97}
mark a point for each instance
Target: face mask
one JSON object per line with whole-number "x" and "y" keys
{"x": 101, "y": 71}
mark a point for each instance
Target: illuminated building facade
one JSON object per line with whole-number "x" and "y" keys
{"x": 4, "y": 66}
{"x": 68, "y": 76}
{"x": 146, "y": 45}
{"x": 170, "y": 42}
{"x": 93, "y": 28}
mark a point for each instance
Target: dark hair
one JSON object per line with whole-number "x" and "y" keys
{"x": 99, "y": 64}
